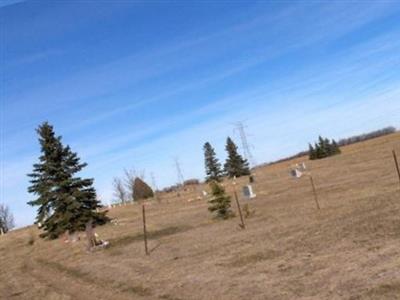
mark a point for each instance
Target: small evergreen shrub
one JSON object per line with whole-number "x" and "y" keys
{"x": 220, "y": 202}
{"x": 141, "y": 190}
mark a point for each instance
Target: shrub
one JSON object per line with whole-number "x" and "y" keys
{"x": 220, "y": 201}
{"x": 141, "y": 190}
{"x": 193, "y": 181}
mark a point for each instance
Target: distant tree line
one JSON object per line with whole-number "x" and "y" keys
{"x": 192, "y": 181}
{"x": 323, "y": 148}
{"x": 186, "y": 183}
{"x": 341, "y": 142}
{"x": 367, "y": 136}
{"x": 172, "y": 188}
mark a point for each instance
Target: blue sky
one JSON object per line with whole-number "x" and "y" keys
{"x": 135, "y": 84}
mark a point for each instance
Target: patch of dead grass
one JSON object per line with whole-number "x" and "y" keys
{"x": 245, "y": 260}
{"x": 151, "y": 235}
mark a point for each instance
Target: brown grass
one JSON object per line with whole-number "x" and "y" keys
{"x": 350, "y": 249}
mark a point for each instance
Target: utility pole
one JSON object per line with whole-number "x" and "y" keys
{"x": 396, "y": 163}
{"x": 245, "y": 145}
{"x": 314, "y": 191}
{"x": 146, "y": 250}
{"x": 242, "y": 225}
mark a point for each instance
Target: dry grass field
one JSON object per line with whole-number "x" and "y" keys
{"x": 350, "y": 249}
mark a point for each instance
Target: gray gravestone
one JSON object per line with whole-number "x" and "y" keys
{"x": 248, "y": 192}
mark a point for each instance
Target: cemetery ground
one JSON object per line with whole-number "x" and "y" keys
{"x": 349, "y": 249}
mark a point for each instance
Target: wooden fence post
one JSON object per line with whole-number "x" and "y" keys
{"x": 144, "y": 230}
{"x": 396, "y": 163}
{"x": 314, "y": 191}
{"x": 242, "y": 225}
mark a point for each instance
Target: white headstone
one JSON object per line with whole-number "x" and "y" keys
{"x": 301, "y": 167}
{"x": 296, "y": 173}
{"x": 248, "y": 192}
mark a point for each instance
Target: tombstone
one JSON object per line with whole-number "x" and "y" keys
{"x": 296, "y": 173}
{"x": 248, "y": 192}
{"x": 302, "y": 167}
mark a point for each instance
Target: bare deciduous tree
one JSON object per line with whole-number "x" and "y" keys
{"x": 119, "y": 190}
{"x": 6, "y": 219}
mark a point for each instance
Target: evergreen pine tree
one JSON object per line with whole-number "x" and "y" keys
{"x": 212, "y": 165}
{"x": 235, "y": 165}
{"x": 311, "y": 152}
{"x": 78, "y": 199}
{"x": 328, "y": 147}
{"x": 66, "y": 203}
{"x": 323, "y": 147}
{"x": 220, "y": 201}
{"x": 317, "y": 151}
{"x": 335, "y": 148}
{"x": 330, "y": 150}
{"x": 45, "y": 177}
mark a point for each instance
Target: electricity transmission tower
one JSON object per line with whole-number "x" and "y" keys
{"x": 153, "y": 181}
{"x": 245, "y": 145}
{"x": 181, "y": 180}
{"x": 155, "y": 187}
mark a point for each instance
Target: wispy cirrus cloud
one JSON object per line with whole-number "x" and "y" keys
{"x": 5, "y": 3}
{"x": 130, "y": 71}
{"x": 32, "y": 58}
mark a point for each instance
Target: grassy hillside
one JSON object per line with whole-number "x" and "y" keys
{"x": 350, "y": 249}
